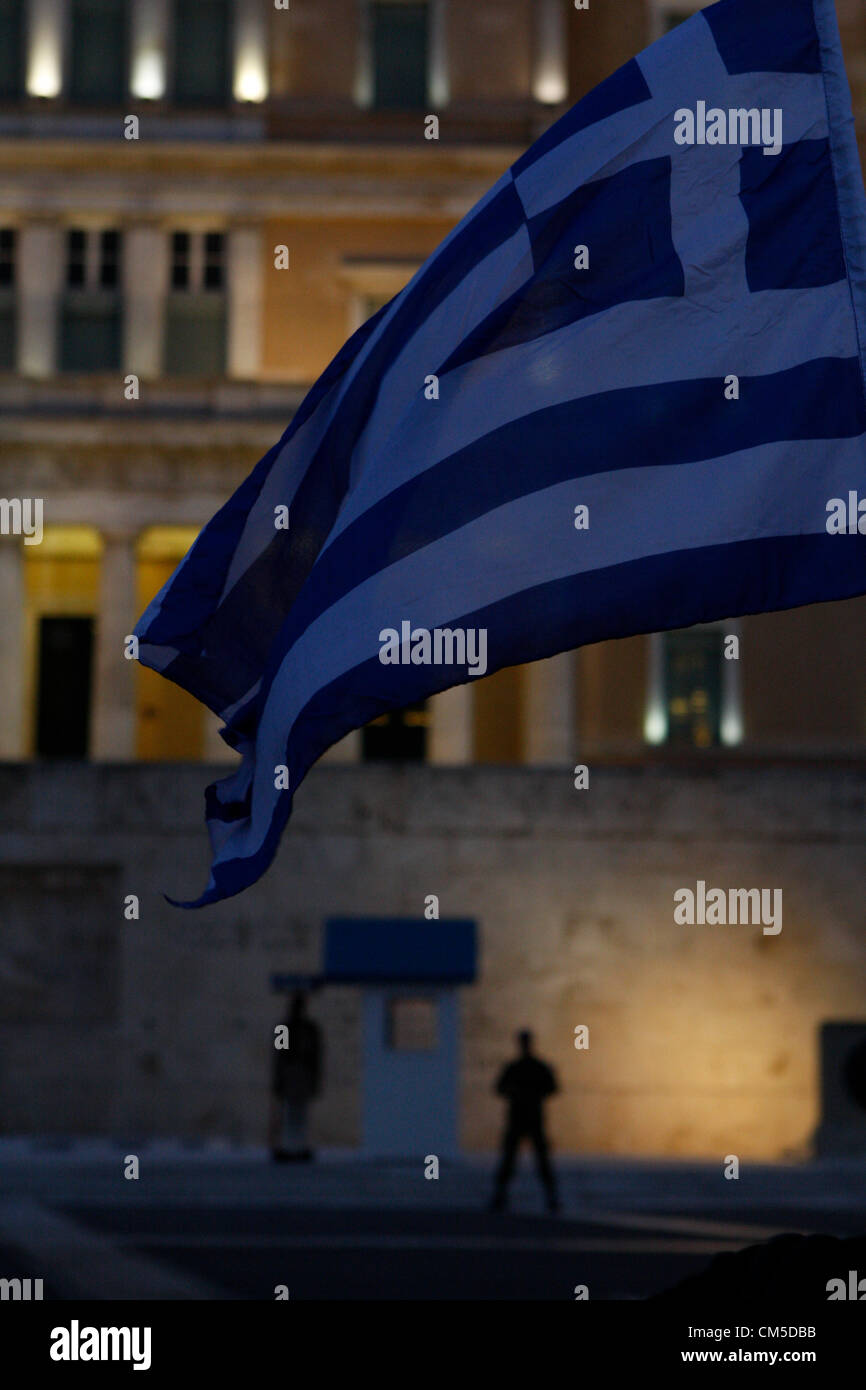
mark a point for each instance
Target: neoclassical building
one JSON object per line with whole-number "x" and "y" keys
{"x": 199, "y": 201}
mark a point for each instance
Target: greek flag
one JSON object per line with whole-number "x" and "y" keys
{"x": 625, "y": 394}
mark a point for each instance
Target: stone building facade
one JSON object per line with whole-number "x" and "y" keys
{"x": 153, "y": 346}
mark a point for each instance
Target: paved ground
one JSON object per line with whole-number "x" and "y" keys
{"x": 224, "y": 1223}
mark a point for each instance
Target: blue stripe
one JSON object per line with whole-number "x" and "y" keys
{"x": 677, "y": 423}
{"x": 773, "y": 36}
{"x": 845, "y": 157}
{"x": 653, "y": 594}
{"x": 624, "y": 88}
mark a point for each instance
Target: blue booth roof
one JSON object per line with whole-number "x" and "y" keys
{"x": 369, "y": 950}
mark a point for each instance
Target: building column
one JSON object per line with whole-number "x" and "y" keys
{"x": 40, "y": 279}
{"x": 11, "y": 648}
{"x": 216, "y": 750}
{"x": 550, "y": 68}
{"x": 245, "y": 286}
{"x": 348, "y": 750}
{"x": 250, "y": 65}
{"x": 548, "y": 716}
{"x": 452, "y": 731}
{"x": 46, "y": 40}
{"x": 148, "y": 49}
{"x": 145, "y": 286}
{"x": 113, "y": 712}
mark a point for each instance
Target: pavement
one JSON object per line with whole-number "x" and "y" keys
{"x": 219, "y": 1221}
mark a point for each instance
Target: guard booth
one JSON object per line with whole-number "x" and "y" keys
{"x": 408, "y": 971}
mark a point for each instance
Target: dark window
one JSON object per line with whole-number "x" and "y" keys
{"x": 693, "y": 687}
{"x": 8, "y": 308}
{"x": 214, "y": 277}
{"x": 400, "y": 37}
{"x": 63, "y": 700}
{"x": 90, "y": 337}
{"x": 109, "y": 259}
{"x": 399, "y": 736}
{"x": 195, "y": 335}
{"x": 180, "y": 261}
{"x": 201, "y": 52}
{"x": 76, "y": 257}
{"x": 7, "y": 256}
{"x": 11, "y": 49}
{"x": 97, "y": 54}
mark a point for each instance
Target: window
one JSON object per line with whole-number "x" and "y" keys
{"x": 63, "y": 699}
{"x": 195, "y": 342}
{"x": 399, "y": 736}
{"x": 693, "y": 687}
{"x": 400, "y": 41}
{"x": 90, "y": 331}
{"x": 411, "y": 1024}
{"x": 201, "y": 52}
{"x": 97, "y": 52}
{"x": 11, "y": 49}
{"x": 8, "y": 240}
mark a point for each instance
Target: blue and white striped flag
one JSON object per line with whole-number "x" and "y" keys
{"x": 625, "y": 394}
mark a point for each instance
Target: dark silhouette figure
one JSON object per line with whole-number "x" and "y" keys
{"x": 295, "y": 1080}
{"x": 525, "y": 1083}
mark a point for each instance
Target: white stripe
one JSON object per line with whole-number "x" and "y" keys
{"x": 634, "y": 514}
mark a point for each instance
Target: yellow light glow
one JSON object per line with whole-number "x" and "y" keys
{"x": 550, "y": 85}
{"x": 148, "y": 75}
{"x": 655, "y": 724}
{"x": 43, "y": 66}
{"x": 731, "y": 728}
{"x": 251, "y": 83}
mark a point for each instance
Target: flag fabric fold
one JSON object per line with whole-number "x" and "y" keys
{"x": 621, "y": 397}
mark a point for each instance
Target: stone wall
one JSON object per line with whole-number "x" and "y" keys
{"x": 703, "y": 1039}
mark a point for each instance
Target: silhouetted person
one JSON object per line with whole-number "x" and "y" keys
{"x": 525, "y": 1083}
{"x": 295, "y": 1081}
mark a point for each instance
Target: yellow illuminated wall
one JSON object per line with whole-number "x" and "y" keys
{"x": 170, "y": 722}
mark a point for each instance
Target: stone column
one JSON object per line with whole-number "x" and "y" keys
{"x": 113, "y": 713}
{"x": 46, "y": 41}
{"x": 245, "y": 285}
{"x": 145, "y": 285}
{"x": 549, "y": 703}
{"x": 550, "y": 68}
{"x": 250, "y": 65}
{"x": 452, "y": 727}
{"x": 40, "y": 279}
{"x": 11, "y": 648}
{"x": 216, "y": 750}
{"x": 348, "y": 750}
{"x": 148, "y": 49}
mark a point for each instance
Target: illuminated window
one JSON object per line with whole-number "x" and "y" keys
{"x": 411, "y": 1024}
{"x": 400, "y": 42}
{"x": 693, "y": 687}
{"x": 11, "y": 49}
{"x": 8, "y": 241}
{"x": 195, "y": 330}
{"x": 91, "y": 317}
{"x": 97, "y": 51}
{"x": 202, "y": 35}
